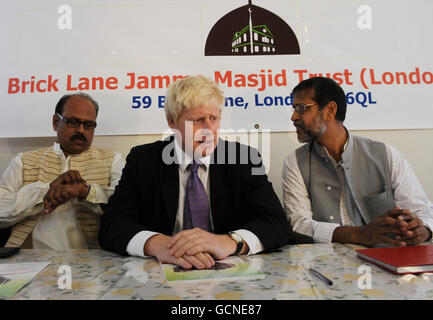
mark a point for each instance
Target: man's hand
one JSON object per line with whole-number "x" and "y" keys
{"x": 380, "y": 230}
{"x": 68, "y": 177}
{"x": 194, "y": 241}
{"x": 417, "y": 232}
{"x": 62, "y": 193}
{"x": 157, "y": 246}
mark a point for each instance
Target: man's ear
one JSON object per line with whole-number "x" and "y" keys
{"x": 331, "y": 110}
{"x": 55, "y": 122}
{"x": 170, "y": 123}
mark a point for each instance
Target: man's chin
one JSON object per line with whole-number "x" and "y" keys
{"x": 303, "y": 138}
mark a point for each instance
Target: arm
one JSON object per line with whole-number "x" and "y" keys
{"x": 297, "y": 204}
{"x": 409, "y": 194}
{"x": 99, "y": 195}
{"x": 18, "y": 201}
{"x": 120, "y": 221}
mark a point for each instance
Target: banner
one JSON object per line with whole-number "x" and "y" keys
{"x": 125, "y": 54}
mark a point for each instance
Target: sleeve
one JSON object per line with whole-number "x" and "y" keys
{"x": 297, "y": 204}
{"x": 17, "y": 201}
{"x": 136, "y": 244}
{"x": 120, "y": 221}
{"x": 408, "y": 192}
{"x": 99, "y": 195}
{"x": 266, "y": 220}
{"x": 254, "y": 243}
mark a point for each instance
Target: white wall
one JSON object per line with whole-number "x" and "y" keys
{"x": 415, "y": 145}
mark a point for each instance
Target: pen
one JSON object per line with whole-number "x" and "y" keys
{"x": 321, "y": 276}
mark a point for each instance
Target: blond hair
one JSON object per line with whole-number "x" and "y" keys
{"x": 190, "y": 92}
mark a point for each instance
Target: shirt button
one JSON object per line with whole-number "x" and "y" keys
{"x": 328, "y": 188}
{"x": 331, "y": 217}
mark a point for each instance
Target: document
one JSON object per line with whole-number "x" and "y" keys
{"x": 231, "y": 268}
{"x": 14, "y": 276}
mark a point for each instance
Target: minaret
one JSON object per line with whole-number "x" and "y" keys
{"x": 250, "y": 10}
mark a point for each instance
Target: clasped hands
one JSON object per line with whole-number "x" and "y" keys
{"x": 190, "y": 248}
{"x": 397, "y": 227}
{"x": 67, "y": 186}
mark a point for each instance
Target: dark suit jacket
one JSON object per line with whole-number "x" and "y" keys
{"x": 147, "y": 195}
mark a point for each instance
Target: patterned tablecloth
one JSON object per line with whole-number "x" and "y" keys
{"x": 98, "y": 274}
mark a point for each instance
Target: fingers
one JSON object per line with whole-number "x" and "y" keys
{"x": 58, "y": 195}
{"x": 200, "y": 260}
{"x": 397, "y": 211}
{"x": 396, "y": 242}
{"x": 185, "y": 240}
{"x": 69, "y": 177}
{"x": 417, "y": 232}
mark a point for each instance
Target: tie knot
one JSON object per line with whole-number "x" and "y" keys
{"x": 194, "y": 167}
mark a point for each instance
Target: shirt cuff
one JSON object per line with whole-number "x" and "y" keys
{"x": 323, "y": 231}
{"x": 136, "y": 244}
{"x": 252, "y": 241}
{"x": 91, "y": 195}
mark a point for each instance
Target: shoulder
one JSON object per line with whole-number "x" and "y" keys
{"x": 35, "y": 155}
{"x": 233, "y": 152}
{"x": 298, "y": 155}
{"x": 150, "y": 152}
{"x": 37, "y": 152}
{"x": 290, "y": 160}
{"x": 367, "y": 142}
{"x": 149, "y": 148}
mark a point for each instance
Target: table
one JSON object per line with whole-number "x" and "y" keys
{"x": 98, "y": 274}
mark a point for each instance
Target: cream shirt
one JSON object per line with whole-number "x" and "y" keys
{"x": 59, "y": 229}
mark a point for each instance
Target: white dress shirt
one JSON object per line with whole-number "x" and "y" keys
{"x": 59, "y": 229}
{"x": 136, "y": 244}
{"x": 408, "y": 194}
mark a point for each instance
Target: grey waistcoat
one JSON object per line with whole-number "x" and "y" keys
{"x": 368, "y": 175}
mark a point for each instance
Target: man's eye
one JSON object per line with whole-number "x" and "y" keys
{"x": 73, "y": 121}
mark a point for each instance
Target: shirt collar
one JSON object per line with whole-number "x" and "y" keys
{"x": 348, "y": 145}
{"x": 184, "y": 159}
{"x": 58, "y": 150}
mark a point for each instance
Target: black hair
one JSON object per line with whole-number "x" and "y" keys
{"x": 325, "y": 90}
{"x": 61, "y": 104}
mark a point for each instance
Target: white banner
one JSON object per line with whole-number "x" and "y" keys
{"x": 125, "y": 54}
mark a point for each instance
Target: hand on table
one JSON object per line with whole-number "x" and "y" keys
{"x": 157, "y": 246}
{"x": 417, "y": 232}
{"x": 194, "y": 241}
{"x": 381, "y": 229}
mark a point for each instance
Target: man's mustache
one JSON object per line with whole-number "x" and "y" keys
{"x": 299, "y": 124}
{"x": 78, "y": 136}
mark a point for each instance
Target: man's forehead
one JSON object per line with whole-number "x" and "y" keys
{"x": 305, "y": 94}
{"x": 204, "y": 109}
{"x": 79, "y": 107}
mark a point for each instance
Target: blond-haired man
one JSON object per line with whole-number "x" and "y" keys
{"x": 190, "y": 199}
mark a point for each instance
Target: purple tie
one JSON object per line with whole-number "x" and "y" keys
{"x": 196, "y": 209}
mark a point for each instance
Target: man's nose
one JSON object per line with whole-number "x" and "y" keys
{"x": 295, "y": 116}
{"x": 80, "y": 128}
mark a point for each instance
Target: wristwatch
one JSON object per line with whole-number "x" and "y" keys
{"x": 239, "y": 242}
